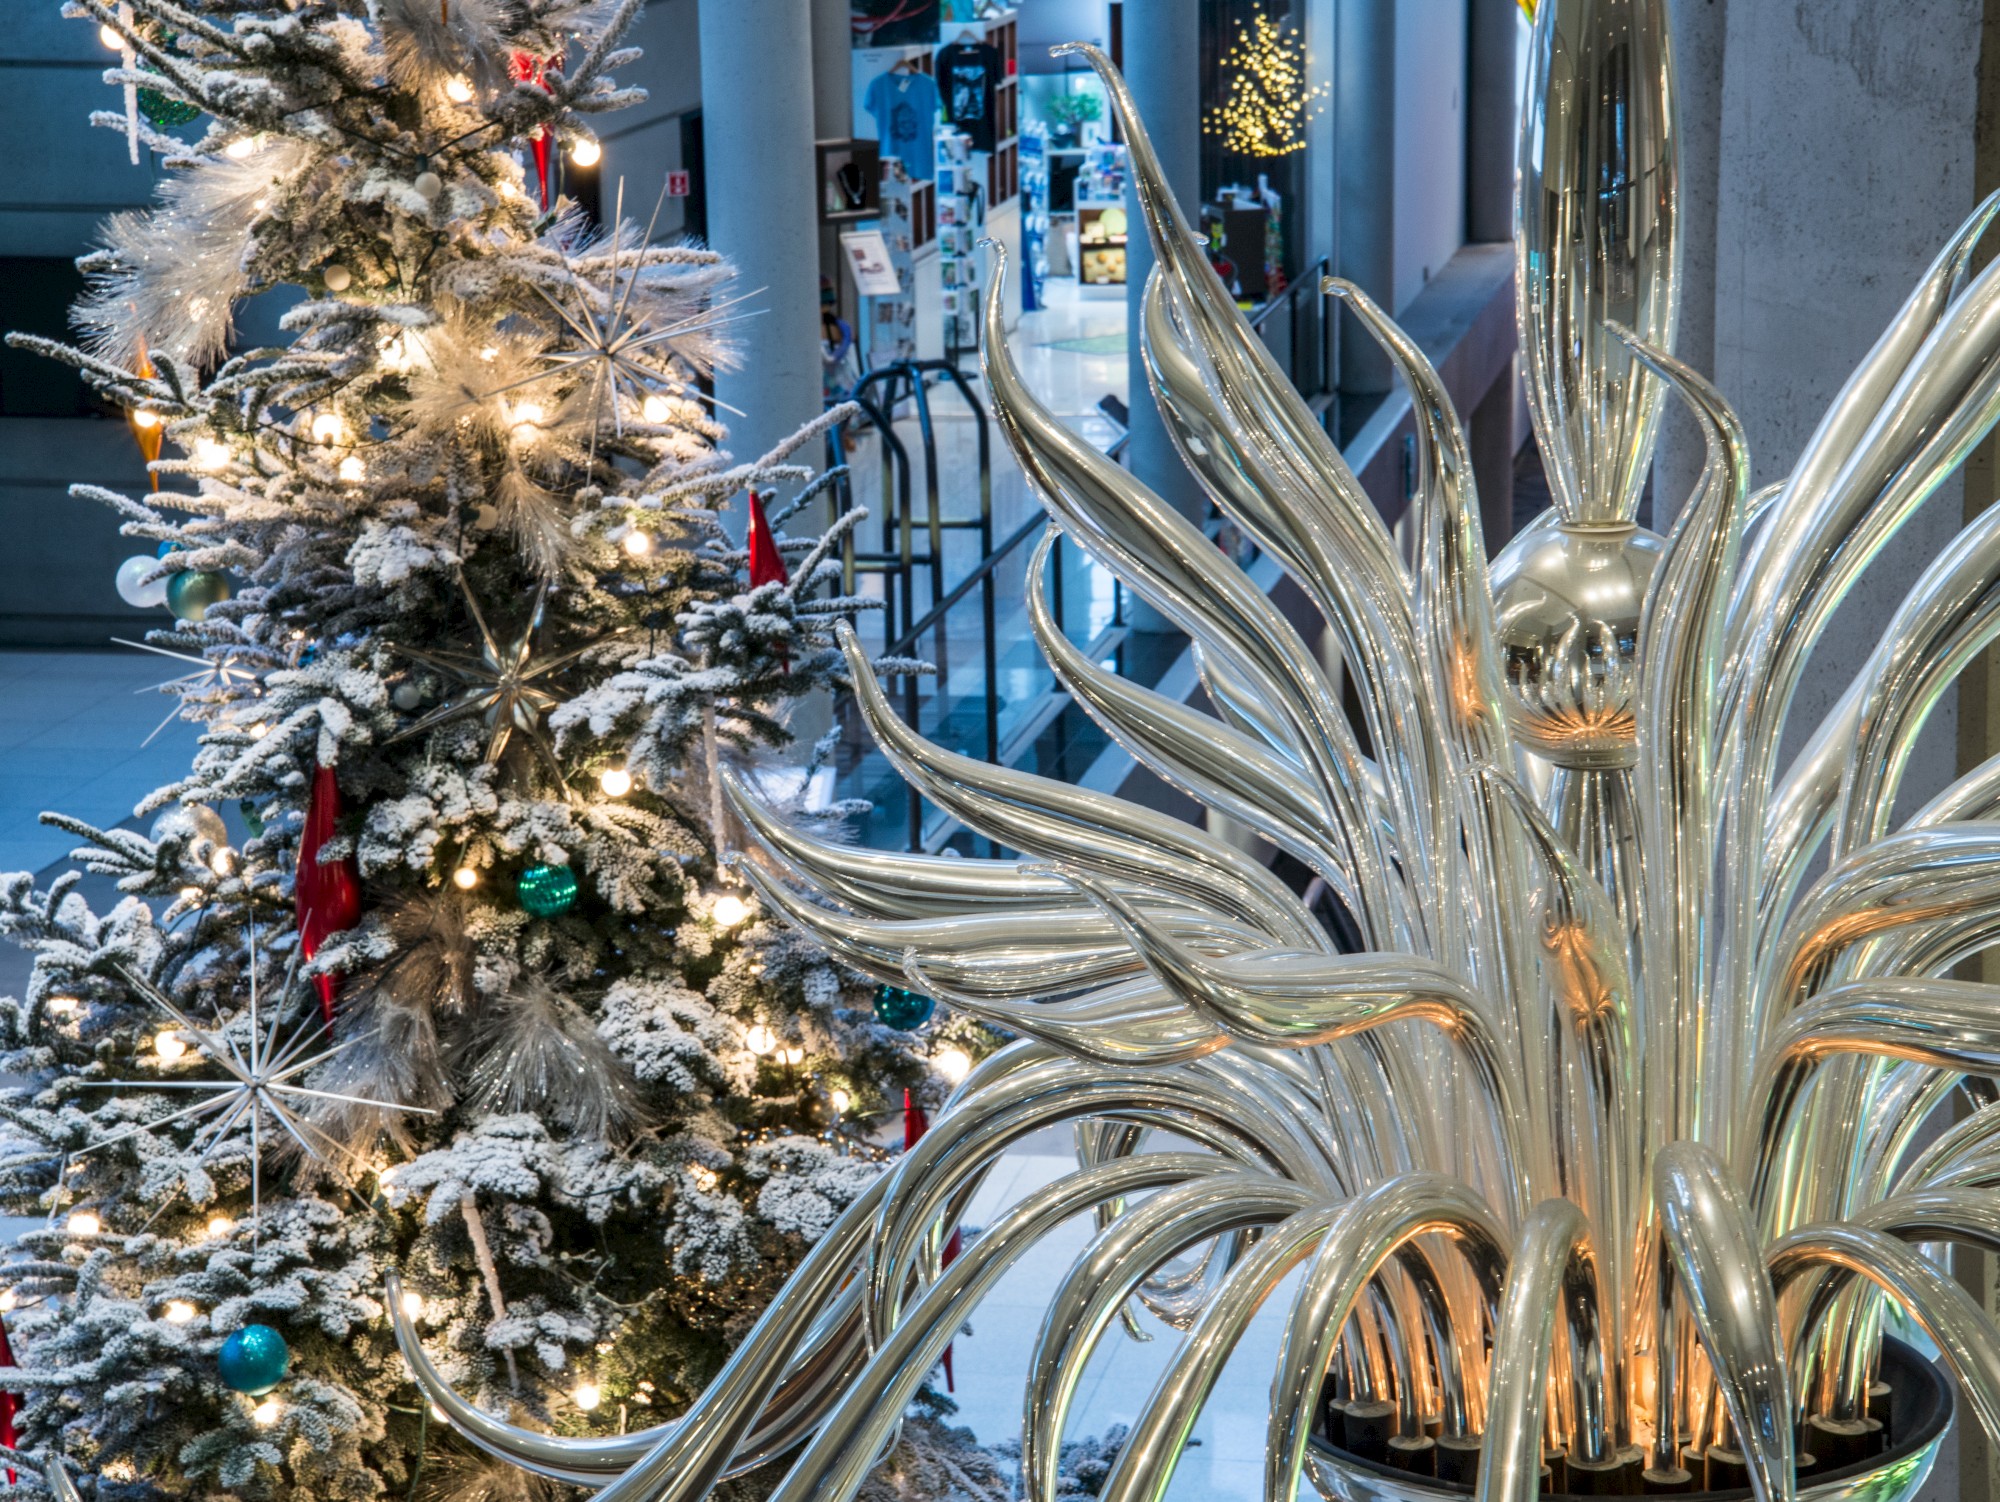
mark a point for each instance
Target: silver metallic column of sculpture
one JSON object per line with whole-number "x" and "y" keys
{"x": 1606, "y": 1143}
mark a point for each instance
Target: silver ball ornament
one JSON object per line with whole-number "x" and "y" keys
{"x": 192, "y": 592}
{"x": 200, "y": 820}
{"x": 406, "y": 697}
{"x": 428, "y": 185}
{"x": 1567, "y": 603}
{"x": 337, "y": 278}
{"x": 208, "y": 824}
{"x": 135, "y": 589}
{"x": 485, "y": 518}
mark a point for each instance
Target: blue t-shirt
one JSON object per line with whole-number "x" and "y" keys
{"x": 905, "y": 109}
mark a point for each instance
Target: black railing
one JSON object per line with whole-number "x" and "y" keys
{"x": 878, "y": 394}
{"x": 1296, "y": 328}
{"x": 914, "y": 525}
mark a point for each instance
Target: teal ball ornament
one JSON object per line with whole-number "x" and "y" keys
{"x": 905, "y": 1011}
{"x": 546, "y": 891}
{"x": 163, "y": 111}
{"x": 192, "y": 592}
{"x": 254, "y": 1360}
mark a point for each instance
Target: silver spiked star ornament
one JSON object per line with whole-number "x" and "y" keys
{"x": 505, "y": 687}
{"x": 263, "y": 1089}
{"x": 613, "y": 358}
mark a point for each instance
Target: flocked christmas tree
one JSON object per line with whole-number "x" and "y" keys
{"x": 467, "y": 993}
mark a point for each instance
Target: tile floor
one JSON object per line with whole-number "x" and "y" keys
{"x": 1072, "y": 354}
{"x": 1224, "y": 1460}
{"x": 75, "y": 743}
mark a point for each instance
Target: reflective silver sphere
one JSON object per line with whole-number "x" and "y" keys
{"x": 1567, "y": 601}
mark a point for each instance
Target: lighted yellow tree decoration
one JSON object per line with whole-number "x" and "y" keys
{"x": 1269, "y": 101}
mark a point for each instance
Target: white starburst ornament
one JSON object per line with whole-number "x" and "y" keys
{"x": 263, "y": 1089}
{"x": 616, "y": 354}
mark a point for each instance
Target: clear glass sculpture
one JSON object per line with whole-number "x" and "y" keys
{"x": 1605, "y": 1146}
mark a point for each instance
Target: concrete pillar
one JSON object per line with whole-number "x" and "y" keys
{"x": 833, "y": 70}
{"x": 1163, "y": 66}
{"x": 1364, "y": 102}
{"x": 1698, "y": 29}
{"x": 757, "y": 130}
{"x": 1493, "y": 36}
{"x": 1845, "y": 157}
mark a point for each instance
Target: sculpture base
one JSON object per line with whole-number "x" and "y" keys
{"x": 1915, "y": 1417}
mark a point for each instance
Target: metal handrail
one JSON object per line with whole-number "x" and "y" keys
{"x": 1303, "y": 290}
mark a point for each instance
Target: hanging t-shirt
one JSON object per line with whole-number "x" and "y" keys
{"x": 969, "y": 73}
{"x": 905, "y": 109}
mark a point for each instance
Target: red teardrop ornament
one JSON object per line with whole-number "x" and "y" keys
{"x": 327, "y": 893}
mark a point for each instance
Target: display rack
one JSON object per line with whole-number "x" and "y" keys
{"x": 1034, "y": 217}
{"x": 961, "y": 212}
{"x": 1003, "y": 165}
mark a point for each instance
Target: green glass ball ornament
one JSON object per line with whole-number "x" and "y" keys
{"x": 254, "y": 1360}
{"x": 546, "y": 891}
{"x": 192, "y": 591}
{"x": 164, "y": 112}
{"x": 905, "y": 1011}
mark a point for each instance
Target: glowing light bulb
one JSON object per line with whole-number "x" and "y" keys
{"x": 458, "y": 89}
{"x": 585, "y": 153}
{"x": 240, "y": 148}
{"x": 7, "y": 1301}
{"x": 170, "y": 1046}
{"x": 524, "y": 419}
{"x": 63, "y": 1003}
{"x": 259, "y": 730}
{"x": 791, "y": 1058}
{"x": 705, "y": 1178}
{"x": 840, "y": 1100}
{"x": 144, "y": 419}
{"x": 760, "y": 1040}
{"x": 489, "y": 353}
{"x": 398, "y": 352}
{"x": 267, "y": 1412}
{"x": 220, "y": 1225}
{"x": 465, "y": 878}
{"x": 328, "y": 427}
{"x": 615, "y": 781}
{"x": 638, "y": 544}
{"x": 729, "y": 910}
{"x": 586, "y": 1396}
{"x": 656, "y": 408}
{"x": 111, "y": 36}
{"x": 352, "y": 470}
{"x": 222, "y": 860}
{"x": 413, "y": 1304}
{"x": 84, "y": 1223}
{"x": 211, "y": 454}
{"x": 179, "y": 1311}
{"x": 953, "y": 1063}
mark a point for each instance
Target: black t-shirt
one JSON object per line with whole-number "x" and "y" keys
{"x": 968, "y": 74}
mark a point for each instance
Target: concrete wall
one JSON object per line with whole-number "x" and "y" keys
{"x": 1429, "y": 142}
{"x": 63, "y": 178}
{"x": 643, "y": 144}
{"x": 1844, "y": 160}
